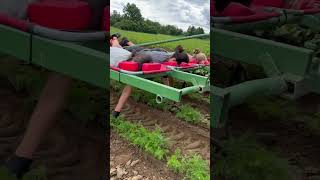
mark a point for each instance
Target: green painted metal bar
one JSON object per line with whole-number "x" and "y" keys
{"x": 238, "y": 94}
{"x": 249, "y": 49}
{"x": 151, "y": 86}
{"x": 71, "y": 59}
{"x": 159, "y": 89}
{"x": 190, "y": 89}
{"x": 189, "y": 77}
{"x": 15, "y": 43}
{"x": 171, "y": 40}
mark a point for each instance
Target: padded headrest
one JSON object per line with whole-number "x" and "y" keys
{"x": 129, "y": 66}
{"x": 171, "y": 63}
{"x": 63, "y": 15}
{"x": 106, "y": 19}
{"x": 151, "y": 66}
{"x": 268, "y": 3}
{"x": 236, "y": 9}
{"x": 212, "y": 8}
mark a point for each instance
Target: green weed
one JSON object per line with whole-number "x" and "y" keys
{"x": 244, "y": 159}
{"x": 152, "y": 142}
{"x": 189, "y": 114}
{"x": 192, "y": 165}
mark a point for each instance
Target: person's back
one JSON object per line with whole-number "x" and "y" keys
{"x": 118, "y": 55}
{"x": 156, "y": 55}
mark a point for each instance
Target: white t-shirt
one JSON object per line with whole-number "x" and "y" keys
{"x": 118, "y": 55}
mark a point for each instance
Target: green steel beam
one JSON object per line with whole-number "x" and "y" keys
{"x": 189, "y": 77}
{"x": 151, "y": 86}
{"x": 15, "y": 43}
{"x": 226, "y": 98}
{"x": 200, "y": 84}
{"x": 248, "y": 49}
{"x": 71, "y": 59}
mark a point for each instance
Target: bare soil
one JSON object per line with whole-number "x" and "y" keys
{"x": 130, "y": 163}
{"x": 288, "y": 136}
{"x": 182, "y": 135}
{"x": 70, "y": 150}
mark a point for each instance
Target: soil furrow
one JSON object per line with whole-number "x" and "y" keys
{"x": 187, "y": 137}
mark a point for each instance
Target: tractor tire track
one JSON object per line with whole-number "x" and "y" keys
{"x": 188, "y": 138}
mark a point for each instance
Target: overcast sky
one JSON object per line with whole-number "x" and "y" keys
{"x": 181, "y": 13}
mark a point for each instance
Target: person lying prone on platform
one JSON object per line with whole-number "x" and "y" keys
{"x": 200, "y": 57}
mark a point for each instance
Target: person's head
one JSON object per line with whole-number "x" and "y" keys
{"x": 140, "y": 59}
{"x": 179, "y": 49}
{"x": 200, "y": 58}
{"x": 196, "y": 51}
{"x": 181, "y": 57}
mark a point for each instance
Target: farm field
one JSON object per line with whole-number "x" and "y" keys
{"x": 189, "y": 45}
{"x": 175, "y": 135}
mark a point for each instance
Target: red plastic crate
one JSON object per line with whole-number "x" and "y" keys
{"x": 62, "y": 15}
{"x": 151, "y": 66}
{"x": 171, "y": 63}
{"x": 106, "y": 19}
{"x": 129, "y": 66}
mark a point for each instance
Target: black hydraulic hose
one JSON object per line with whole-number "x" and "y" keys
{"x": 68, "y": 36}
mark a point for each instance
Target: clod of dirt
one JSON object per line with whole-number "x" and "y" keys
{"x": 193, "y": 145}
{"x": 128, "y": 163}
{"x": 312, "y": 170}
{"x": 135, "y": 172}
{"x": 113, "y": 171}
{"x": 134, "y": 162}
{"x": 137, "y": 177}
{"x": 121, "y": 172}
{"x": 315, "y": 178}
{"x": 122, "y": 159}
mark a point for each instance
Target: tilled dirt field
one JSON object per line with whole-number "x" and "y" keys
{"x": 182, "y": 135}
{"x": 288, "y": 137}
{"x": 130, "y": 163}
{"x": 69, "y": 151}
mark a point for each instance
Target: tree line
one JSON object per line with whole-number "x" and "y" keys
{"x": 132, "y": 20}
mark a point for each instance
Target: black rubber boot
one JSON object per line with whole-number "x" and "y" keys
{"x": 18, "y": 166}
{"x": 115, "y": 114}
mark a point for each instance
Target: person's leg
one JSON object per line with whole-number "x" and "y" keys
{"x": 50, "y": 104}
{"x": 126, "y": 92}
{"x": 122, "y": 100}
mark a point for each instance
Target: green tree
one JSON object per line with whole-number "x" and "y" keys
{"x": 115, "y": 17}
{"x": 132, "y": 12}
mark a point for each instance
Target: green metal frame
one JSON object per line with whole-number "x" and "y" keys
{"x": 286, "y": 66}
{"x": 200, "y": 84}
{"x": 80, "y": 61}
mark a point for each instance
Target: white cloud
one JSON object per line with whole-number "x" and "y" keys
{"x": 181, "y": 13}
